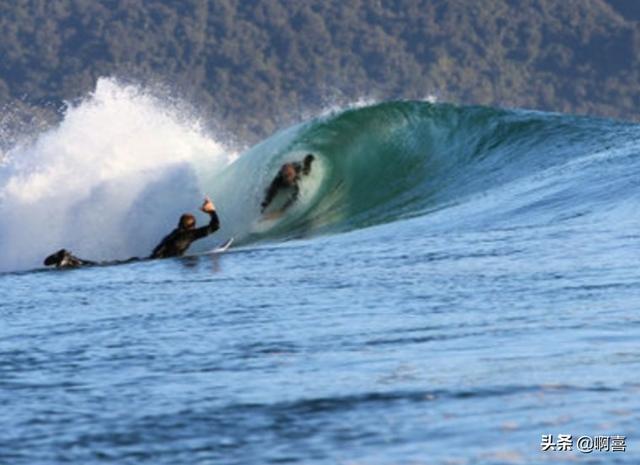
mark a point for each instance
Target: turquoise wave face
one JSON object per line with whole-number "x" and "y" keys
{"x": 113, "y": 187}
{"x": 404, "y": 159}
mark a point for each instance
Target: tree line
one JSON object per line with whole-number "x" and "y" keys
{"x": 256, "y": 66}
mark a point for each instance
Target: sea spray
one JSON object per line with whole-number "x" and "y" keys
{"x": 111, "y": 180}
{"x": 107, "y": 182}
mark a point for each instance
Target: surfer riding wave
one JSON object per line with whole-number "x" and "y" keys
{"x": 286, "y": 182}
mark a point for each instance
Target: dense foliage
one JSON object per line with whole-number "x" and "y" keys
{"x": 257, "y": 64}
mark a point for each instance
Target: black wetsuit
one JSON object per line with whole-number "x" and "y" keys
{"x": 173, "y": 245}
{"x": 178, "y": 241}
{"x": 279, "y": 183}
{"x": 64, "y": 259}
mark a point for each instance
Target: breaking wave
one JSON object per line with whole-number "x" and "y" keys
{"x": 112, "y": 178}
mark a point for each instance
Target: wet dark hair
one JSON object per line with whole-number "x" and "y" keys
{"x": 187, "y": 221}
{"x": 55, "y": 258}
{"x": 286, "y": 166}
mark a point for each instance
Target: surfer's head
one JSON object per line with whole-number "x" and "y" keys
{"x": 288, "y": 173}
{"x": 55, "y": 259}
{"x": 62, "y": 259}
{"x": 187, "y": 221}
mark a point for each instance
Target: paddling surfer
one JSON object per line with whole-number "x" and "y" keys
{"x": 174, "y": 244}
{"x": 178, "y": 241}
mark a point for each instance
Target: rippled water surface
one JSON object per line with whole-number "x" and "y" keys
{"x": 385, "y": 345}
{"x": 452, "y": 285}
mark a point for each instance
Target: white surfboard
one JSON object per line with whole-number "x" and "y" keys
{"x": 224, "y": 246}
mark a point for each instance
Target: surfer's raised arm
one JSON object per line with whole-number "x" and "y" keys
{"x": 214, "y": 223}
{"x": 178, "y": 241}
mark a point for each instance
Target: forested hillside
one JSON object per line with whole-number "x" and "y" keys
{"x": 257, "y": 65}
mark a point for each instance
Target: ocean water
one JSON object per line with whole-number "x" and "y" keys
{"x": 454, "y": 283}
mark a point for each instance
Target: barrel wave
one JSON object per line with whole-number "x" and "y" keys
{"x": 110, "y": 180}
{"x": 459, "y": 166}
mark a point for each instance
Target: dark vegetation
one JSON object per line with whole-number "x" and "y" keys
{"x": 257, "y": 65}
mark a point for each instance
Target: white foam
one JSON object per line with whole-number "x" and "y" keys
{"x": 107, "y": 182}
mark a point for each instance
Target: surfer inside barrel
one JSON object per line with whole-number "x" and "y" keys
{"x": 174, "y": 244}
{"x": 286, "y": 183}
